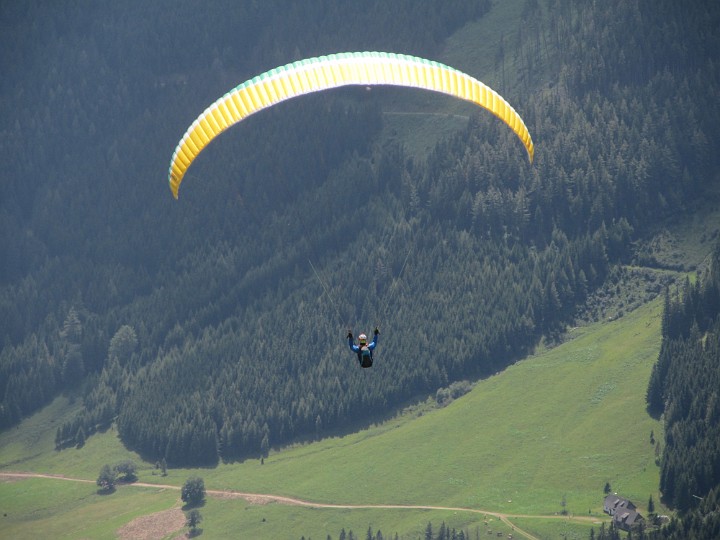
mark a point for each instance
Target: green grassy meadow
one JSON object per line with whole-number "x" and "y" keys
{"x": 553, "y": 427}
{"x": 43, "y": 508}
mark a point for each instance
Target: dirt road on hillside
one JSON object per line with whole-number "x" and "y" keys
{"x": 261, "y": 498}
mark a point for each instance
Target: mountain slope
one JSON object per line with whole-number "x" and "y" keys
{"x": 183, "y": 320}
{"x": 555, "y": 426}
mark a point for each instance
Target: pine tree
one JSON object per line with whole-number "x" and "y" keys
{"x": 80, "y": 437}
{"x": 123, "y": 344}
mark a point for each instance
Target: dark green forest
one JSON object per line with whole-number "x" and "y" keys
{"x": 684, "y": 388}
{"x": 211, "y": 328}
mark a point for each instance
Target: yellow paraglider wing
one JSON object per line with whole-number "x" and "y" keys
{"x": 324, "y": 72}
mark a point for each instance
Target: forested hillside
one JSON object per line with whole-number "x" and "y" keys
{"x": 684, "y": 386}
{"x": 212, "y": 327}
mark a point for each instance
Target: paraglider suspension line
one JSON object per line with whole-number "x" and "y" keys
{"x": 383, "y": 311}
{"x": 327, "y": 292}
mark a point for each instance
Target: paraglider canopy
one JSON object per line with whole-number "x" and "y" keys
{"x": 332, "y": 71}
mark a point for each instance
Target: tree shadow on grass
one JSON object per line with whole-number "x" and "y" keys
{"x": 194, "y": 533}
{"x": 126, "y": 481}
{"x": 192, "y": 506}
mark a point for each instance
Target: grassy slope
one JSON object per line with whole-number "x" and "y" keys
{"x": 420, "y": 119}
{"x": 559, "y": 424}
{"x": 40, "y": 508}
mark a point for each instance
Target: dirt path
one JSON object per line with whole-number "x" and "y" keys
{"x": 260, "y": 498}
{"x": 420, "y": 113}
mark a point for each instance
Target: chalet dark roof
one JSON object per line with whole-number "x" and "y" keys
{"x": 622, "y": 511}
{"x": 611, "y": 501}
{"x": 628, "y": 518}
{"x": 615, "y": 503}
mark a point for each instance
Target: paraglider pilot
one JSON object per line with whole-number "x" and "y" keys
{"x": 363, "y": 349}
